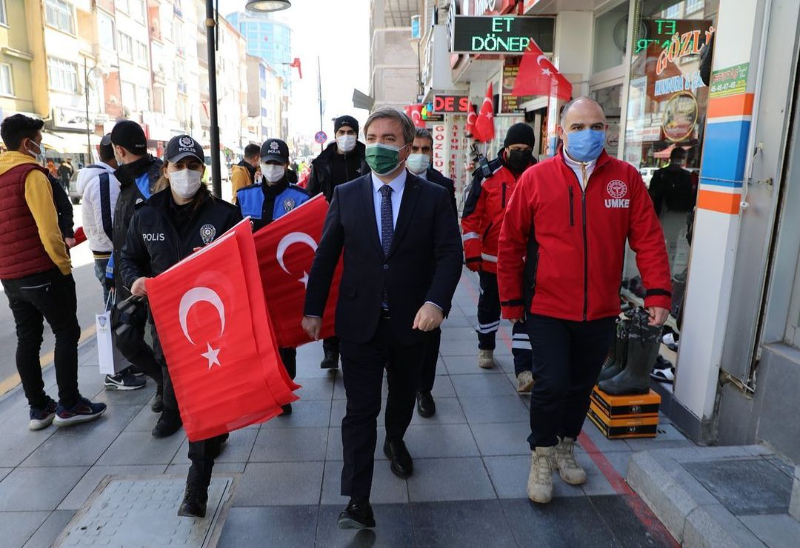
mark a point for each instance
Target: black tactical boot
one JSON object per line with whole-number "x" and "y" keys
{"x": 643, "y": 343}
{"x": 613, "y": 366}
{"x": 195, "y": 497}
{"x": 330, "y": 361}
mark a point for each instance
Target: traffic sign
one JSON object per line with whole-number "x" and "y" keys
{"x": 320, "y": 137}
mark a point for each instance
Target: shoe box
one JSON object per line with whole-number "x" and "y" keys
{"x": 619, "y": 417}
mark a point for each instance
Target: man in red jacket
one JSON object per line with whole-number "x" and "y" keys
{"x": 561, "y": 252}
{"x": 484, "y": 210}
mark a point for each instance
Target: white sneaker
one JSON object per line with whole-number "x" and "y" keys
{"x": 524, "y": 382}
{"x": 540, "y": 480}
{"x": 486, "y": 359}
{"x": 569, "y": 469}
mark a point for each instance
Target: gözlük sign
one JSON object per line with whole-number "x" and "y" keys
{"x": 501, "y": 34}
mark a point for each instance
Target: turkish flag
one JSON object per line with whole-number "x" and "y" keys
{"x": 485, "y": 122}
{"x": 298, "y": 65}
{"x": 472, "y": 117}
{"x": 217, "y": 338}
{"x": 415, "y": 113}
{"x": 538, "y": 76}
{"x": 286, "y": 249}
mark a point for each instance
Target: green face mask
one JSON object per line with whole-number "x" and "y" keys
{"x": 383, "y": 159}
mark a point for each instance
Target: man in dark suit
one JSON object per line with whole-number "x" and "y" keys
{"x": 420, "y": 163}
{"x": 402, "y": 263}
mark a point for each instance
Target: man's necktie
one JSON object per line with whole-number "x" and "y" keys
{"x": 387, "y": 222}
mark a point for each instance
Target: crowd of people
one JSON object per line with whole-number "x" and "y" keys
{"x": 546, "y": 239}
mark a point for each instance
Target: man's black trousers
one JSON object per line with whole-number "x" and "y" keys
{"x": 33, "y": 299}
{"x": 567, "y": 358}
{"x": 362, "y": 370}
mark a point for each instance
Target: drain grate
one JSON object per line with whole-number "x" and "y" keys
{"x": 136, "y": 511}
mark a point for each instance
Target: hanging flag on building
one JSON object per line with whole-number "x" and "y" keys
{"x": 415, "y": 113}
{"x": 485, "y": 122}
{"x": 298, "y": 65}
{"x": 285, "y": 251}
{"x": 218, "y": 339}
{"x": 472, "y": 117}
{"x": 538, "y": 76}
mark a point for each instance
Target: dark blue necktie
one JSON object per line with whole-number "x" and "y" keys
{"x": 387, "y": 221}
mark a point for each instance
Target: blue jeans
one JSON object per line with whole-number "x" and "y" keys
{"x": 100, "y": 273}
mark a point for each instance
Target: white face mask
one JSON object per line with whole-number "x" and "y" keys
{"x": 185, "y": 182}
{"x": 40, "y": 159}
{"x": 272, "y": 173}
{"x": 346, "y": 143}
{"x": 418, "y": 163}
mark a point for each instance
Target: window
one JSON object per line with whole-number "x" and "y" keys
{"x": 139, "y": 11}
{"x": 141, "y": 54}
{"x": 125, "y": 46}
{"x": 3, "y": 16}
{"x": 143, "y": 98}
{"x": 122, "y": 5}
{"x": 177, "y": 34}
{"x": 673, "y": 12}
{"x": 693, "y": 6}
{"x": 129, "y": 97}
{"x": 63, "y": 75}
{"x": 59, "y": 14}
{"x": 158, "y": 100}
{"x": 105, "y": 29}
{"x": 6, "y": 80}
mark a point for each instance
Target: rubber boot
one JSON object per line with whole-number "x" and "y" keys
{"x": 643, "y": 343}
{"x": 195, "y": 496}
{"x": 620, "y": 352}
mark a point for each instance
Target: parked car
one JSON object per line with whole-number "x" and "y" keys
{"x": 72, "y": 191}
{"x": 647, "y": 174}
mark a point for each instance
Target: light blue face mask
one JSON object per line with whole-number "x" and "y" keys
{"x": 586, "y": 145}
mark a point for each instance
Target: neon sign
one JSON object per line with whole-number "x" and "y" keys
{"x": 500, "y": 34}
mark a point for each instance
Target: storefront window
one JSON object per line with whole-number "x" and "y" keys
{"x": 667, "y": 103}
{"x": 610, "y": 38}
{"x": 610, "y": 98}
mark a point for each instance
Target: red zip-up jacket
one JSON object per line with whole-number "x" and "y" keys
{"x": 483, "y": 214}
{"x": 578, "y": 241}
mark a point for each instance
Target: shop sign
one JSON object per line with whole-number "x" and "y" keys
{"x": 501, "y": 34}
{"x": 683, "y": 82}
{"x": 439, "y": 142}
{"x": 682, "y": 45}
{"x": 451, "y": 104}
{"x": 729, "y": 81}
{"x": 429, "y": 116}
{"x": 508, "y": 103}
{"x": 651, "y": 133}
{"x": 484, "y": 7}
{"x": 680, "y": 117}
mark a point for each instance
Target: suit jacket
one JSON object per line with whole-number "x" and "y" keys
{"x": 423, "y": 264}
{"x": 437, "y": 178}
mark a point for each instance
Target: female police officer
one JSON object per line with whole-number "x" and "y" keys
{"x": 165, "y": 229}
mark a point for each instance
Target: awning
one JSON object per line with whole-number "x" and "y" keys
{"x": 664, "y": 154}
{"x": 68, "y": 143}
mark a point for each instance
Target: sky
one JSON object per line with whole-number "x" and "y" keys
{"x": 338, "y": 32}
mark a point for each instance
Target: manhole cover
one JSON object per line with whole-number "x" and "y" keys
{"x": 132, "y": 512}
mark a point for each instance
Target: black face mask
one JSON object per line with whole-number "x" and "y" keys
{"x": 519, "y": 160}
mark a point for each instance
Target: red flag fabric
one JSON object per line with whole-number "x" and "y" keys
{"x": 415, "y": 113}
{"x": 285, "y": 251}
{"x": 485, "y": 122}
{"x": 298, "y": 65}
{"x": 538, "y": 76}
{"x": 472, "y": 117}
{"x": 217, "y": 339}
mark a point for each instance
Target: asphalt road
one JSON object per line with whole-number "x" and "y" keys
{"x": 90, "y": 302}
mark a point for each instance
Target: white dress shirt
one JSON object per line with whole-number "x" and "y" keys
{"x": 398, "y": 186}
{"x": 582, "y": 170}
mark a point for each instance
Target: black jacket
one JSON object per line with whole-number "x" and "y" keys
{"x": 63, "y": 207}
{"x": 671, "y": 188}
{"x": 129, "y": 196}
{"x": 153, "y": 243}
{"x": 321, "y": 178}
{"x": 436, "y": 177}
{"x": 424, "y": 263}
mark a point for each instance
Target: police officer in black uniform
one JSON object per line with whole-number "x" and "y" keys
{"x": 268, "y": 200}
{"x": 182, "y": 217}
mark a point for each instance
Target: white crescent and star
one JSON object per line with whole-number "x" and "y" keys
{"x": 191, "y": 298}
{"x": 545, "y": 70}
{"x": 295, "y": 238}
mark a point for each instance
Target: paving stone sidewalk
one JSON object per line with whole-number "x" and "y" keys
{"x": 471, "y": 464}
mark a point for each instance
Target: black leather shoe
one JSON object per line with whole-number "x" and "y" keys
{"x": 166, "y": 426}
{"x": 426, "y": 407}
{"x": 401, "y": 463}
{"x": 357, "y": 515}
{"x": 194, "y": 502}
{"x": 287, "y": 409}
{"x": 330, "y": 361}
